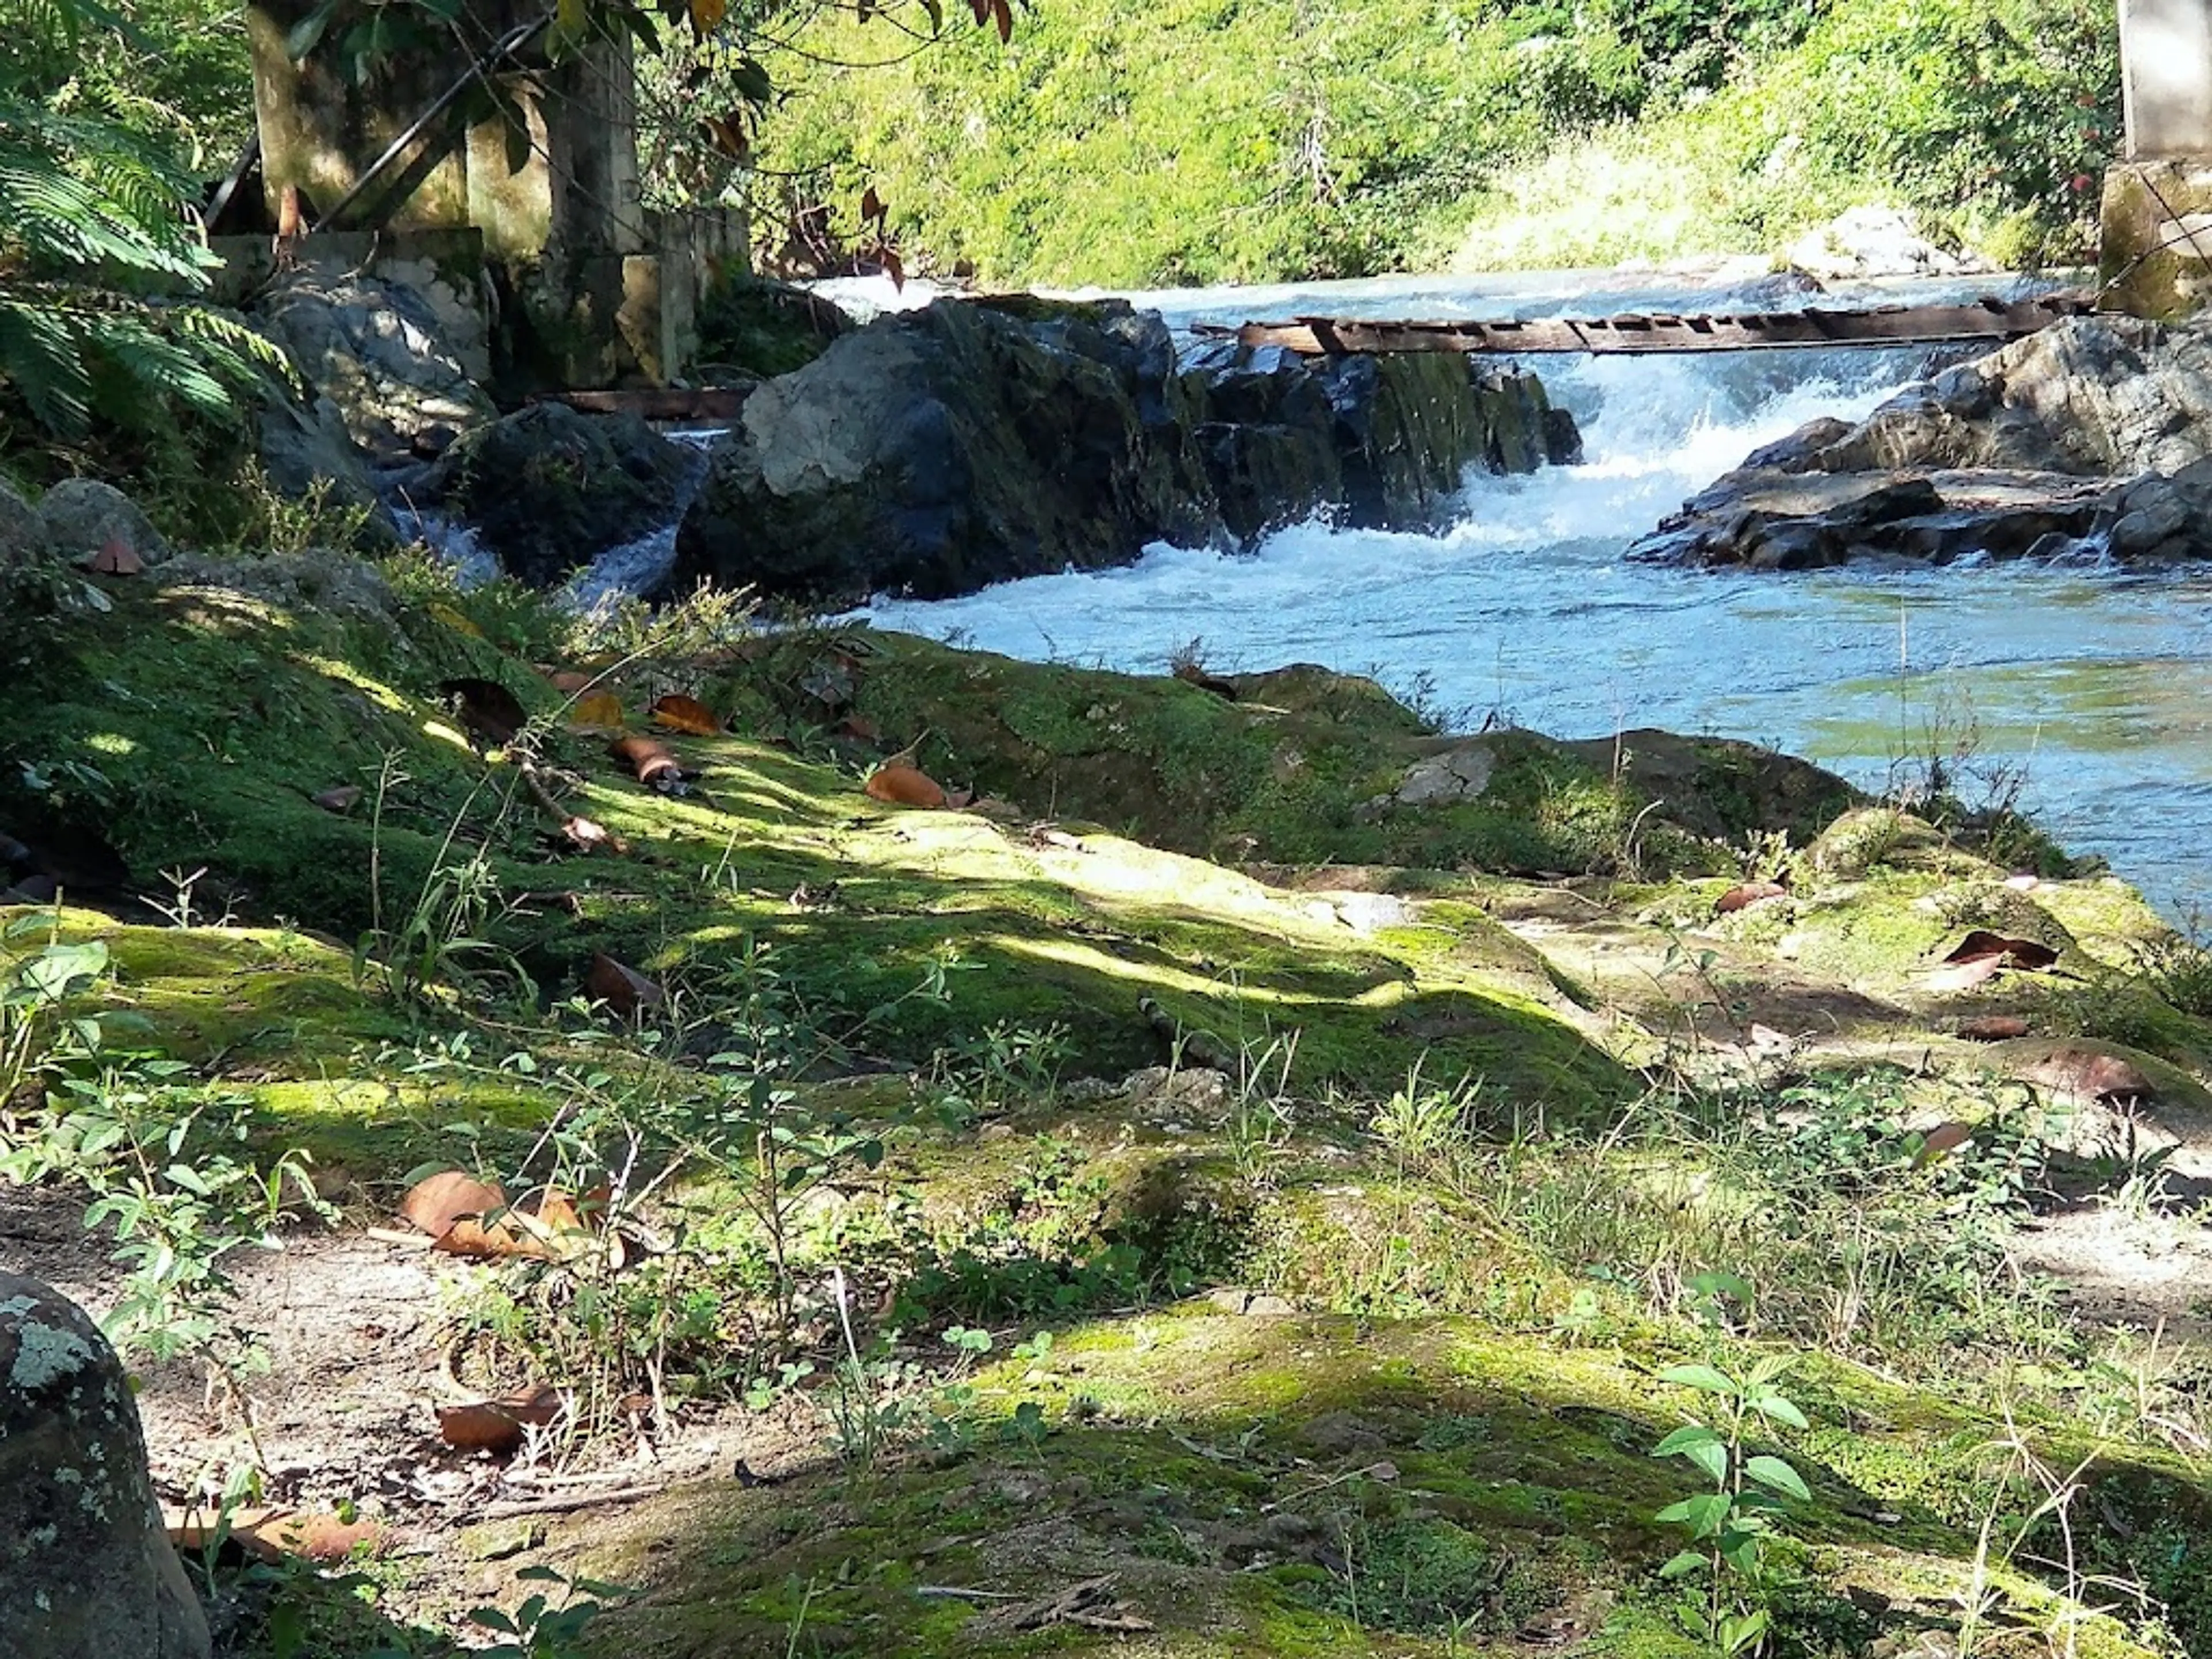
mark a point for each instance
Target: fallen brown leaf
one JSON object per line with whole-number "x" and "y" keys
{"x": 1982, "y": 954}
{"x": 487, "y": 709}
{"x": 2080, "y": 1074}
{"x": 435, "y": 1203}
{"x": 115, "y": 559}
{"x": 569, "y": 682}
{"x": 1744, "y": 895}
{"x": 620, "y": 986}
{"x": 270, "y": 1534}
{"x": 1943, "y": 1139}
{"x": 905, "y": 786}
{"x": 497, "y": 1426}
{"x": 1966, "y": 975}
{"x": 1994, "y": 1027}
{"x": 678, "y": 712}
{"x": 587, "y": 835}
{"x": 343, "y": 798}
{"x": 1191, "y": 674}
{"x": 2025, "y": 952}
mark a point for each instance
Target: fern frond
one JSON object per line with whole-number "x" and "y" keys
{"x": 42, "y": 358}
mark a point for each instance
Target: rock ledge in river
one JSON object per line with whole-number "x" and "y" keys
{"x": 2093, "y": 435}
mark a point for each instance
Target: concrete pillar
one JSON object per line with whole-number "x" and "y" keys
{"x": 2166, "y": 75}
{"x": 2157, "y": 208}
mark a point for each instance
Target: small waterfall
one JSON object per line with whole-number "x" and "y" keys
{"x": 637, "y": 566}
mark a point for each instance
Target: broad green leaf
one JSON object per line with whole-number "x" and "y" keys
{"x": 1701, "y": 1377}
{"x": 1776, "y": 1409}
{"x": 1777, "y": 1476}
{"x": 1687, "y": 1562}
{"x": 308, "y": 34}
{"x": 1743, "y": 1630}
{"x": 1695, "y": 1434}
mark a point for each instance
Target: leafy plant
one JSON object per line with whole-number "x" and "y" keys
{"x": 36, "y": 1026}
{"x": 547, "y": 1627}
{"x": 1728, "y": 1523}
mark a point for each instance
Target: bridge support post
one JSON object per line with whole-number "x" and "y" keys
{"x": 594, "y": 289}
{"x": 2157, "y": 208}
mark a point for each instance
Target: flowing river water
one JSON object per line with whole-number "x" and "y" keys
{"x": 2089, "y": 686}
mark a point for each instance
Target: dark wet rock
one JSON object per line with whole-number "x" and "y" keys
{"x": 1770, "y": 519}
{"x": 2096, "y": 431}
{"x": 86, "y": 1570}
{"x": 548, "y": 487}
{"x": 1777, "y": 290}
{"x": 83, "y": 517}
{"x": 940, "y": 451}
{"x": 1563, "y": 438}
{"x": 1269, "y": 440}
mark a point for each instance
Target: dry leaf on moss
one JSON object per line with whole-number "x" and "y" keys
{"x": 681, "y": 713}
{"x": 905, "y": 786}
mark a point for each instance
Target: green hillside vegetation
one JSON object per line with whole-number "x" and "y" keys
{"x": 1206, "y": 141}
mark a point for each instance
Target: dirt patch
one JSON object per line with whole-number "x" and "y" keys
{"x": 355, "y": 1332}
{"x": 2130, "y": 1270}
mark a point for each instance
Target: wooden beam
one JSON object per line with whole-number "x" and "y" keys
{"x": 677, "y": 404}
{"x": 1633, "y": 333}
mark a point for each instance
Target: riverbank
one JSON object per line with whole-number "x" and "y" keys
{"x": 1245, "y": 1167}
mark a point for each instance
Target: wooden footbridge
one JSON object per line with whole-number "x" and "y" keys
{"x": 1637, "y": 333}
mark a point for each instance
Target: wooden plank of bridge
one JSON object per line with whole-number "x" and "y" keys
{"x": 1632, "y": 334}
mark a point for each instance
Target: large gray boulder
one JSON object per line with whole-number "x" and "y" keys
{"x": 84, "y": 517}
{"x": 306, "y": 448}
{"x": 2096, "y": 431}
{"x": 392, "y": 365}
{"x": 86, "y": 1570}
{"x": 547, "y": 488}
{"x": 938, "y": 451}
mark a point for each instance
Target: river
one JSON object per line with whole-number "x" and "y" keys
{"x": 2088, "y": 687}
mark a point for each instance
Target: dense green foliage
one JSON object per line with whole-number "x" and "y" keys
{"x": 93, "y": 234}
{"x": 1211, "y": 140}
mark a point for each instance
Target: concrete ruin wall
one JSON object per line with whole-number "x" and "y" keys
{"x": 582, "y": 284}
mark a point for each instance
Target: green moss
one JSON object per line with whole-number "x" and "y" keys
{"x": 1287, "y": 1486}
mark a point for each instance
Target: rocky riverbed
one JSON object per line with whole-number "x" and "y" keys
{"x": 2090, "y": 436}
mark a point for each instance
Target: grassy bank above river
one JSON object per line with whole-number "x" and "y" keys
{"x": 1242, "y": 1184}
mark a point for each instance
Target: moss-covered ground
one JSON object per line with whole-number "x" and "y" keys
{"x": 1233, "y": 1187}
